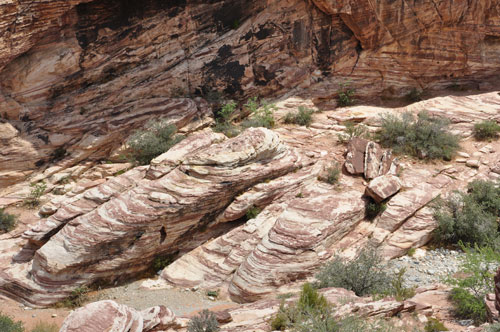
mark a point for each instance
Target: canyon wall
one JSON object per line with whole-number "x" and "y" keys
{"x": 78, "y": 75}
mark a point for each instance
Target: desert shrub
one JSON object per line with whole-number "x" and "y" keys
{"x": 45, "y": 327}
{"x": 478, "y": 267}
{"x": 425, "y": 137}
{"x": 353, "y": 130}
{"x": 434, "y": 325}
{"x": 303, "y": 117}
{"x": 77, "y": 298}
{"x": 205, "y": 321}
{"x": 411, "y": 252}
{"x": 8, "y": 325}
{"x": 469, "y": 217}
{"x": 331, "y": 173}
{"x": 363, "y": 275}
{"x": 7, "y": 221}
{"x": 261, "y": 114}
{"x": 345, "y": 94}
{"x": 373, "y": 209}
{"x": 252, "y": 212}
{"x": 37, "y": 190}
{"x": 485, "y": 130}
{"x": 228, "y": 129}
{"x": 161, "y": 262}
{"x": 310, "y": 309}
{"x": 156, "y": 138}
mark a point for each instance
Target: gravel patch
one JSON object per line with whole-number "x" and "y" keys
{"x": 427, "y": 267}
{"x": 180, "y": 301}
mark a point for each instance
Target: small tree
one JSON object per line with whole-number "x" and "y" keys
{"x": 204, "y": 322}
{"x": 345, "y": 94}
{"x": 261, "y": 114}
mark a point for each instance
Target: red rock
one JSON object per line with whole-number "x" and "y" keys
{"x": 383, "y": 187}
{"x": 355, "y": 157}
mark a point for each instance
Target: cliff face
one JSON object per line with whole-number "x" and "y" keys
{"x": 78, "y": 75}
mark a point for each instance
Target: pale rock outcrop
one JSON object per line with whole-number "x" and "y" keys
{"x": 368, "y": 158}
{"x": 383, "y": 187}
{"x": 113, "y": 317}
{"x": 124, "y": 224}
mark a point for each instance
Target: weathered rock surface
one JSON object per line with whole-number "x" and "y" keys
{"x": 104, "y": 67}
{"x": 126, "y": 222}
{"x": 368, "y": 158}
{"x": 113, "y": 317}
{"x": 383, "y": 187}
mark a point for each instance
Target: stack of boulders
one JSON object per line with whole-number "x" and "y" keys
{"x": 367, "y": 158}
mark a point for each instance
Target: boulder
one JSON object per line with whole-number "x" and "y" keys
{"x": 373, "y": 161}
{"x": 383, "y": 187}
{"x": 355, "y": 156}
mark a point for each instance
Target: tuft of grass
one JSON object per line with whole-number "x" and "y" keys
{"x": 425, "y": 137}
{"x": 7, "y": 221}
{"x": 345, "y": 94}
{"x": 332, "y": 174}
{"x": 373, "y": 209}
{"x": 353, "y": 130}
{"x": 261, "y": 114}
{"x": 411, "y": 252}
{"x": 486, "y": 130}
{"x": 76, "y": 299}
{"x": 303, "y": 117}
{"x": 434, "y": 325}
{"x": 205, "y": 321}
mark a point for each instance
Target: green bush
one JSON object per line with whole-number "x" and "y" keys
{"x": 8, "y": 325}
{"x": 38, "y": 189}
{"x": 493, "y": 328}
{"x": 261, "y": 114}
{"x": 45, "y": 327}
{"x": 469, "y": 217}
{"x": 345, "y": 94}
{"x": 353, "y": 130}
{"x": 398, "y": 290}
{"x": 252, "y": 212}
{"x": 434, "y": 325}
{"x": 363, "y": 275}
{"x": 478, "y": 266}
{"x": 425, "y": 137}
{"x": 156, "y": 138}
{"x": 373, "y": 209}
{"x": 303, "y": 117}
{"x": 7, "y": 221}
{"x": 485, "y": 130}
{"x": 205, "y": 321}
{"x": 414, "y": 95}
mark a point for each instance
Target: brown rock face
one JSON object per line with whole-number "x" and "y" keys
{"x": 383, "y": 187}
{"x": 103, "y": 67}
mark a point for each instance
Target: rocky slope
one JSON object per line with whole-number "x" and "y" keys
{"x": 104, "y": 67}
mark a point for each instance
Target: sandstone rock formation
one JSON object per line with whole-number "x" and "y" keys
{"x": 383, "y": 187}
{"x": 123, "y": 224}
{"x": 111, "y": 316}
{"x": 103, "y": 67}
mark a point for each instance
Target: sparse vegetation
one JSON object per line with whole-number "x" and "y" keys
{"x": 414, "y": 95}
{"x": 205, "y": 321}
{"x": 252, "y": 212}
{"x": 156, "y": 138}
{"x": 472, "y": 217}
{"x": 332, "y": 173}
{"x": 478, "y": 267}
{"x": 45, "y": 327}
{"x": 398, "y": 290}
{"x": 223, "y": 119}
{"x": 425, "y": 137}
{"x": 486, "y": 130}
{"x": 373, "y": 209}
{"x": 353, "y": 130}
{"x": 495, "y": 327}
{"x": 312, "y": 313}
{"x": 261, "y": 114}
{"x": 363, "y": 275}
{"x": 345, "y": 94}
{"x": 161, "y": 262}
{"x": 411, "y": 252}
{"x": 7, "y": 221}
{"x": 303, "y": 117}
{"x": 37, "y": 190}
{"x": 76, "y": 299}
{"x": 434, "y": 325}
{"x": 8, "y": 325}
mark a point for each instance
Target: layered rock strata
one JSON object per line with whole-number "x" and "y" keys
{"x": 126, "y": 222}
{"x": 104, "y": 67}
